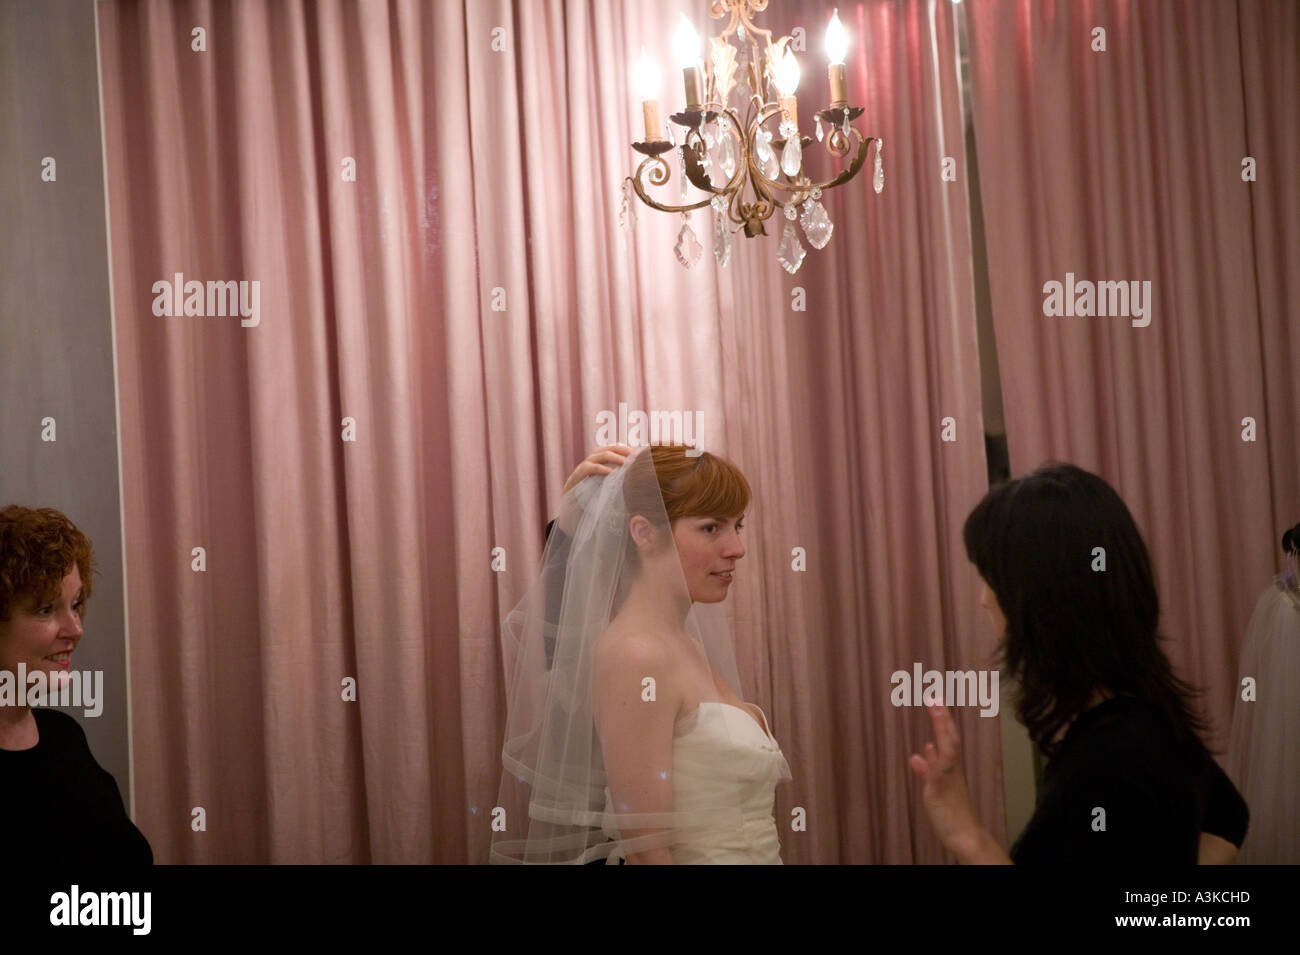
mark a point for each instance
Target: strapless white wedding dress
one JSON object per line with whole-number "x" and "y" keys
{"x": 723, "y": 757}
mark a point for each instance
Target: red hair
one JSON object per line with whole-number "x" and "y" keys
{"x": 38, "y": 548}
{"x": 704, "y": 485}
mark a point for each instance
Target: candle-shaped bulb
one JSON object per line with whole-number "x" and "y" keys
{"x": 686, "y": 43}
{"x": 837, "y": 39}
{"x": 646, "y": 77}
{"x": 787, "y": 74}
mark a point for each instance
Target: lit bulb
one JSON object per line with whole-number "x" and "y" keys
{"x": 837, "y": 39}
{"x": 686, "y": 43}
{"x": 646, "y": 77}
{"x": 787, "y": 74}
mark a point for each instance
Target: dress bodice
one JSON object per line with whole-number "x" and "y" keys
{"x": 722, "y": 756}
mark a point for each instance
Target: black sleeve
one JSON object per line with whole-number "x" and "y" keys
{"x": 1116, "y": 791}
{"x": 1223, "y": 812}
{"x": 88, "y": 792}
{"x": 1118, "y": 813}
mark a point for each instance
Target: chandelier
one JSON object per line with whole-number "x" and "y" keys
{"x": 723, "y": 155}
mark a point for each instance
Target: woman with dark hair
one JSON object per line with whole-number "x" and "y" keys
{"x": 58, "y": 805}
{"x": 1069, "y": 585}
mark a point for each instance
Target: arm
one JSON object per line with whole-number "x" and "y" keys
{"x": 1224, "y": 815}
{"x": 1215, "y": 851}
{"x": 947, "y": 799}
{"x": 636, "y": 736}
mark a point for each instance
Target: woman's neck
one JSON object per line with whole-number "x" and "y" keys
{"x": 652, "y": 599}
{"x": 17, "y": 728}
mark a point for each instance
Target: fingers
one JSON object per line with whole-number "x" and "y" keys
{"x": 923, "y": 766}
{"x": 919, "y": 766}
{"x": 613, "y": 454}
{"x": 945, "y": 730}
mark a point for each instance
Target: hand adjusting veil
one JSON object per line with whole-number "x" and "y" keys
{"x": 555, "y": 792}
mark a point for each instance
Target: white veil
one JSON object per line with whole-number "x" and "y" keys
{"x": 555, "y": 803}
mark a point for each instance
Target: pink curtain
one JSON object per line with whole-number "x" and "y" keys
{"x": 436, "y": 339}
{"x": 1127, "y": 165}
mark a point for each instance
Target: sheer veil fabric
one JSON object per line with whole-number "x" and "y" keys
{"x": 611, "y": 574}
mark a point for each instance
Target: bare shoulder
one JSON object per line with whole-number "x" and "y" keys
{"x": 621, "y": 649}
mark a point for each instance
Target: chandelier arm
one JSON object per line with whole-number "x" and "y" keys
{"x": 801, "y": 189}
{"x": 761, "y": 209}
{"x": 767, "y": 111}
{"x": 845, "y": 175}
{"x": 695, "y": 171}
{"x": 658, "y": 176}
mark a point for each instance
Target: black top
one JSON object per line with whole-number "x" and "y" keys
{"x": 59, "y": 807}
{"x": 1122, "y": 756}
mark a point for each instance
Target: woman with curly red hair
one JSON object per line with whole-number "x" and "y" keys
{"x": 46, "y": 767}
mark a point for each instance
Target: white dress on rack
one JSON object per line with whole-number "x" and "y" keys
{"x": 1264, "y": 754}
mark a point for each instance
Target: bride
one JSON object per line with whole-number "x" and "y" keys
{"x": 627, "y": 738}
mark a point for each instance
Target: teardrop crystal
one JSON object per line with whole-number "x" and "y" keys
{"x": 819, "y": 129}
{"x": 721, "y": 234}
{"x": 681, "y": 171}
{"x": 627, "y": 214}
{"x": 816, "y": 224}
{"x": 792, "y": 156}
{"x": 727, "y": 156}
{"x": 879, "y": 179}
{"x": 791, "y": 253}
{"x": 688, "y": 247}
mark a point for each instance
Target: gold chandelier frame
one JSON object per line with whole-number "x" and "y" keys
{"x": 751, "y": 215}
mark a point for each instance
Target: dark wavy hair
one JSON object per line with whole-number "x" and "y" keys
{"x": 1071, "y": 630}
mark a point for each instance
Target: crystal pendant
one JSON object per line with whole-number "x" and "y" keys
{"x": 764, "y": 154}
{"x": 844, "y": 127}
{"x": 672, "y": 140}
{"x": 791, "y": 253}
{"x": 879, "y": 180}
{"x": 792, "y": 154}
{"x": 819, "y": 129}
{"x": 688, "y": 247}
{"x": 816, "y": 224}
{"x": 721, "y": 234}
{"x": 627, "y": 214}
{"x": 727, "y": 152}
{"x": 681, "y": 169}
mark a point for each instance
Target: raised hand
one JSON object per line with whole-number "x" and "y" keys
{"x": 944, "y": 793}
{"x": 601, "y": 461}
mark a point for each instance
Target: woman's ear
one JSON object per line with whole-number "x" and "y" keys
{"x": 643, "y": 533}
